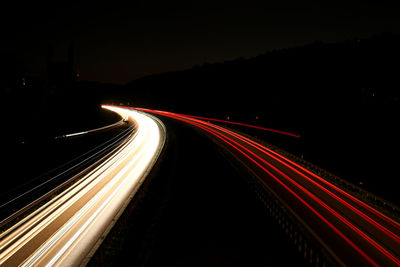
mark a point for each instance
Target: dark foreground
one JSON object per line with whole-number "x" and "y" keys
{"x": 197, "y": 210}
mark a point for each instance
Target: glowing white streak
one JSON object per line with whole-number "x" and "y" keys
{"x": 92, "y": 174}
{"x": 109, "y": 186}
{"x": 75, "y": 134}
{"x": 95, "y": 214}
{"x": 79, "y": 188}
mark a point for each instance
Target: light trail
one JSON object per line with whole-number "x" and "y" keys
{"x": 87, "y": 158}
{"x": 125, "y": 118}
{"x": 229, "y": 122}
{"x": 70, "y": 226}
{"x": 372, "y": 236}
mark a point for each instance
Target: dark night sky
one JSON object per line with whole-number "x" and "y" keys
{"x": 118, "y": 42}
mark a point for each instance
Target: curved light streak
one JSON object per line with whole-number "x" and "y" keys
{"x": 374, "y": 236}
{"x": 225, "y": 121}
{"x": 66, "y": 229}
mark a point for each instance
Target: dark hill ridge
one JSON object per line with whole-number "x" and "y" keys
{"x": 288, "y": 88}
{"x": 342, "y": 97}
{"x": 292, "y": 77}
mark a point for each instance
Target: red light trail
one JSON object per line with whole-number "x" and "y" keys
{"x": 373, "y": 237}
{"x": 231, "y": 122}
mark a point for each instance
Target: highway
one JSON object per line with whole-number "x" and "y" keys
{"x": 67, "y": 228}
{"x": 353, "y": 232}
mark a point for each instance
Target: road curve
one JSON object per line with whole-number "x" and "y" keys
{"x": 67, "y": 228}
{"x": 353, "y": 232}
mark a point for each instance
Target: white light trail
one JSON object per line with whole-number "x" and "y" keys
{"x": 66, "y": 229}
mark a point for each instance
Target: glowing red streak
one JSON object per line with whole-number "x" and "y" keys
{"x": 360, "y": 213}
{"x": 341, "y": 218}
{"x": 204, "y": 126}
{"x": 230, "y": 122}
{"x": 292, "y": 192}
{"x": 268, "y": 152}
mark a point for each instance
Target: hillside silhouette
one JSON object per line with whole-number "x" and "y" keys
{"x": 342, "y": 97}
{"x": 300, "y": 79}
